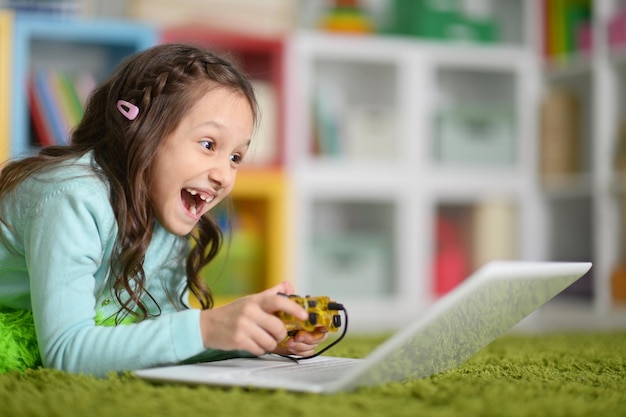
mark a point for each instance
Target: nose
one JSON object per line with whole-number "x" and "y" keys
{"x": 222, "y": 174}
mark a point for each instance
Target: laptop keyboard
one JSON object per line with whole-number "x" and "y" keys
{"x": 318, "y": 370}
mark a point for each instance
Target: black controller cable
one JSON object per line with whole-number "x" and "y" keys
{"x": 331, "y": 306}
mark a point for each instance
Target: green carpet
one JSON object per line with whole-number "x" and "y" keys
{"x": 517, "y": 375}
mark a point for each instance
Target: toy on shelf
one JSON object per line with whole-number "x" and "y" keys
{"x": 346, "y": 16}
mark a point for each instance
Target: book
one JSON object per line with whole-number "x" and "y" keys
{"x": 51, "y": 109}
{"x": 62, "y": 104}
{"x": 560, "y": 134}
{"x": 328, "y": 111}
{"x": 43, "y": 134}
{"x": 565, "y": 29}
{"x": 494, "y": 232}
{"x": 57, "y": 103}
{"x": 73, "y": 107}
{"x": 452, "y": 263}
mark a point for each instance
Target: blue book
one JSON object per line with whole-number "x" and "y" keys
{"x": 52, "y": 111}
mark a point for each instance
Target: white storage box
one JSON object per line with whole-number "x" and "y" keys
{"x": 475, "y": 137}
{"x": 352, "y": 265}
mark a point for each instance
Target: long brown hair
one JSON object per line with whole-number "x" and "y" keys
{"x": 164, "y": 82}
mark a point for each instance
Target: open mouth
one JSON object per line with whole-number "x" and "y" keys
{"x": 195, "y": 201}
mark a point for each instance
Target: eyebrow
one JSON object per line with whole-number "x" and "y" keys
{"x": 211, "y": 123}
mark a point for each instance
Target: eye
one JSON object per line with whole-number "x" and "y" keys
{"x": 236, "y": 158}
{"x": 208, "y": 144}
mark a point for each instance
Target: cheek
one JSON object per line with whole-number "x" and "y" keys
{"x": 222, "y": 196}
{"x": 229, "y": 189}
{"x": 163, "y": 195}
{"x": 225, "y": 193}
{"x": 158, "y": 190}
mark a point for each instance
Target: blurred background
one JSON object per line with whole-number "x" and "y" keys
{"x": 404, "y": 143}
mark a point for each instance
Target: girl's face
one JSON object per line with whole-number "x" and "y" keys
{"x": 196, "y": 165}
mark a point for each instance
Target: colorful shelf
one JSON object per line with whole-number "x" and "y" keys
{"x": 6, "y": 22}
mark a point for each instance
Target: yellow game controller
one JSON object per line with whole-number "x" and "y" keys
{"x": 323, "y": 313}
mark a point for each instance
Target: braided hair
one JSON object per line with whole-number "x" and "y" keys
{"x": 164, "y": 82}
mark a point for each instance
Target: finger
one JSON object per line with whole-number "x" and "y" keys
{"x": 243, "y": 325}
{"x": 265, "y": 334}
{"x": 305, "y": 343}
{"x": 300, "y": 349}
{"x": 301, "y": 353}
{"x": 274, "y": 328}
{"x": 311, "y": 338}
{"x": 284, "y": 287}
{"x": 265, "y": 342}
{"x": 284, "y": 350}
{"x": 262, "y": 313}
{"x": 273, "y": 303}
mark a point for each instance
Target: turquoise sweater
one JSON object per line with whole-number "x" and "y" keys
{"x": 55, "y": 251}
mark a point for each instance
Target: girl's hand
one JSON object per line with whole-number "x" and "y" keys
{"x": 303, "y": 343}
{"x": 250, "y": 324}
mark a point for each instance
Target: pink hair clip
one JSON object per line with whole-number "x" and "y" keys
{"x": 129, "y": 110}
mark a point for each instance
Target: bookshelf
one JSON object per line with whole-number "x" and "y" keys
{"x": 581, "y": 195}
{"x": 408, "y": 186}
{"x": 69, "y": 44}
{"x": 609, "y": 81}
{"x": 564, "y": 130}
{"x": 371, "y": 182}
{"x": 6, "y": 21}
{"x": 82, "y": 46}
{"x": 611, "y": 19}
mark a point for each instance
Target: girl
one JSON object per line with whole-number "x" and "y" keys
{"x": 95, "y": 237}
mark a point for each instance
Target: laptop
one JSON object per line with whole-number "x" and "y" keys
{"x": 458, "y": 325}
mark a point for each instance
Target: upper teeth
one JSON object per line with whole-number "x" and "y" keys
{"x": 202, "y": 196}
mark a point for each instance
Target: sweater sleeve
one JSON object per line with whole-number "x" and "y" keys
{"x": 64, "y": 241}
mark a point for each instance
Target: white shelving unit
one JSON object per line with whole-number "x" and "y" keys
{"x": 583, "y": 212}
{"x": 357, "y": 201}
{"x": 374, "y": 209}
{"x": 366, "y": 216}
{"x": 609, "y": 78}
